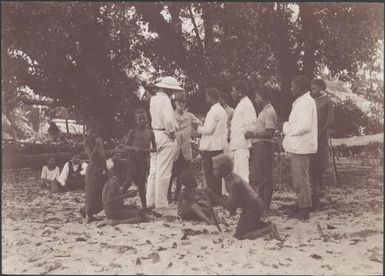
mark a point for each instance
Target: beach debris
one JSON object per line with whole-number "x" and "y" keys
{"x": 326, "y": 266}
{"x": 275, "y": 266}
{"x": 124, "y": 248}
{"x": 315, "y": 256}
{"x": 52, "y": 267}
{"x": 114, "y": 265}
{"x": 218, "y": 240}
{"x": 169, "y": 265}
{"x": 170, "y": 218}
{"x": 81, "y": 239}
{"x": 138, "y": 261}
{"x": 166, "y": 225}
{"x": 101, "y": 225}
{"x": 323, "y": 235}
{"x": 161, "y": 248}
{"x": 46, "y": 233}
{"x": 155, "y": 258}
{"x": 148, "y": 242}
{"x": 355, "y": 241}
{"x": 289, "y": 259}
{"x": 174, "y": 245}
{"x": 365, "y": 233}
{"x": 32, "y": 260}
{"x": 331, "y": 227}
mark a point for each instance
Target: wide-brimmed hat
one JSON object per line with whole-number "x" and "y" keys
{"x": 180, "y": 96}
{"x": 169, "y": 83}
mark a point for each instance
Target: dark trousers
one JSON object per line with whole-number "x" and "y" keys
{"x": 212, "y": 182}
{"x": 178, "y": 167}
{"x": 261, "y": 170}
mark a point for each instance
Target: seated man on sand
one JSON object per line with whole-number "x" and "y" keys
{"x": 241, "y": 195}
{"x": 50, "y": 176}
{"x": 113, "y": 196}
{"x": 72, "y": 175}
{"x": 191, "y": 204}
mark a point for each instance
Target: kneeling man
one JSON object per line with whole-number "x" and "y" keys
{"x": 241, "y": 195}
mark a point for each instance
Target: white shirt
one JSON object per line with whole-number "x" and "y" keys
{"x": 214, "y": 130}
{"x": 162, "y": 114}
{"x": 50, "y": 174}
{"x": 244, "y": 119}
{"x": 65, "y": 171}
{"x": 301, "y": 131}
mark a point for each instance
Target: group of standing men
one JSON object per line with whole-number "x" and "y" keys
{"x": 239, "y": 135}
{"x": 242, "y": 135}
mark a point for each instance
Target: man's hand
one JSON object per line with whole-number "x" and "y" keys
{"x": 249, "y": 134}
{"x": 153, "y": 150}
{"x": 195, "y": 125}
{"x": 280, "y": 125}
{"x": 171, "y": 135}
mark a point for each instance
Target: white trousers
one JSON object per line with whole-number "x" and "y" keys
{"x": 160, "y": 171}
{"x": 241, "y": 163}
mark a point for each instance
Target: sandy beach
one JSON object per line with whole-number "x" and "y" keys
{"x": 42, "y": 233}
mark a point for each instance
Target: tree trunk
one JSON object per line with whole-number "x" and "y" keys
{"x": 13, "y": 125}
{"x": 287, "y": 62}
{"x": 309, "y": 37}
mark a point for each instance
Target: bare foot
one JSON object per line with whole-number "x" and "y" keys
{"x": 90, "y": 219}
{"x": 274, "y": 232}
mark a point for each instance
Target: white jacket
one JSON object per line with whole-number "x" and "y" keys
{"x": 301, "y": 131}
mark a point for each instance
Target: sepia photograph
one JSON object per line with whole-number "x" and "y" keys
{"x": 192, "y": 138}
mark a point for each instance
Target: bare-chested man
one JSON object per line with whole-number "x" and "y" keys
{"x": 241, "y": 195}
{"x": 191, "y": 204}
{"x": 113, "y": 196}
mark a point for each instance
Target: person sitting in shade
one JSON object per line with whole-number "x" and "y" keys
{"x": 241, "y": 195}
{"x": 72, "y": 174}
{"x": 191, "y": 204}
{"x": 50, "y": 175}
{"x": 114, "y": 194}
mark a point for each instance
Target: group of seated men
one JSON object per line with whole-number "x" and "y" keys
{"x": 71, "y": 176}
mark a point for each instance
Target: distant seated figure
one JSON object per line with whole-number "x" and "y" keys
{"x": 50, "y": 175}
{"x": 113, "y": 195}
{"x": 191, "y": 204}
{"x": 72, "y": 175}
{"x": 241, "y": 195}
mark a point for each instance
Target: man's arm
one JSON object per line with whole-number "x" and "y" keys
{"x": 301, "y": 121}
{"x": 199, "y": 212}
{"x": 64, "y": 174}
{"x": 111, "y": 198}
{"x": 209, "y": 125}
{"x": 43, "y": 173}
{"x": 153, "y": 142}
{"x": 169, "y": 118}
{"x": 229, "y": 203}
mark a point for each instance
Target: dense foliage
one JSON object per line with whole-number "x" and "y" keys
{"x": 93, "y": 56}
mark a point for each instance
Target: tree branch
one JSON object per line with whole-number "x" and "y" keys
{"x": 196, "y": 30}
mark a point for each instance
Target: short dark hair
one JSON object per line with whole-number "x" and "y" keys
{"x": 187, "y": 178}
{"x": 241, "y": 86}
{"x": 119, "y": 167}
{"x": 213, "y": 93}
{"x": 76, "y": 151}
{"x": 225, "y": 96}
{"x": 302, "y": 82}
{"x": 265, "y": 92}
{"x": 320, "y": 83}
{"x": 140, "y": 111}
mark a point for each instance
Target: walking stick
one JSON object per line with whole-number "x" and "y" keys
{"x": 213, "y": 214}
{"x": 334, "y": 169}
